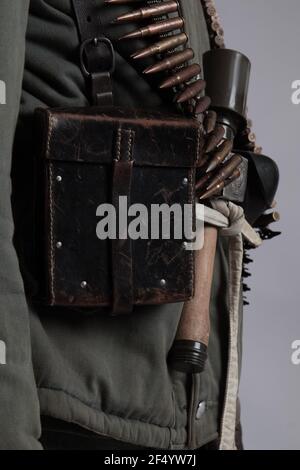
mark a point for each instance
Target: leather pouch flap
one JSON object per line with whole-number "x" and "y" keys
{"x": 89, "y": 136}
{"x": 93, "y": 157}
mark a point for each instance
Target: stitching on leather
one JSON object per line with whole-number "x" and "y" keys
{"x": 128, "y": 136}
{"x": 119, "y": 141}
{"x": 52, "y": 251}
{"x": 191, "y": 253}
{"x": 198, "y": 145}
{"x": 130, "y": 145}
{"x": 51, "y": 213}
{"x": 51, "y": 125}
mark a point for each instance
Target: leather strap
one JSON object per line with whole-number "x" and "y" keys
{"x": 122, "y": 247}
{"x": 97, "y": 56}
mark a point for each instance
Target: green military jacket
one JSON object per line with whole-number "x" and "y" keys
{"x": 108, "y": 375}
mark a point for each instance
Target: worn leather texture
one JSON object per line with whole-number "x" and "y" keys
{"x": 93, "y": 156}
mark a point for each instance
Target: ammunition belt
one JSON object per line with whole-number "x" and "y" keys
{"x": 175, "y": 58}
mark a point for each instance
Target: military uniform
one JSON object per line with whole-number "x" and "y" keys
{"x": 107, "y": 376}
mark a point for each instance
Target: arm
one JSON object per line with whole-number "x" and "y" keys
{"x": 19, "y": 410}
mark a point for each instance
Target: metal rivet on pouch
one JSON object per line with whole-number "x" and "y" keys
{"x": 59, "y": 245}
{"x": 83, "y": 285}
{"x": 59, "y": 179}
{"x": 185, "y": 181}
{"x": 163, "y": 283}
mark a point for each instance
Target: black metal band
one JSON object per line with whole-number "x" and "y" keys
{"x": 97, "y": 56}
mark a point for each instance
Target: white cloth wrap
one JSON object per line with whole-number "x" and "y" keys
{"x": 230, "y": 219}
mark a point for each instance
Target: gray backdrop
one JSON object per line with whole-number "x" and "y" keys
{"x": 268, "y": 32}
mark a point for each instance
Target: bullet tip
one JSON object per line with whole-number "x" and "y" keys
{"x": 210, "y": 168}
{"x": 132, "y": 35}
{"x": 148, "y": 71}
{"x": 209, "y": 187}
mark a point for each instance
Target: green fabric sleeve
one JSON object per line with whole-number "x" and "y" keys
{"x": 19, "y": 406}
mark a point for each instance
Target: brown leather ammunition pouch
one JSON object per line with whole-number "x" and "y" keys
{"x": 97, "y": 156}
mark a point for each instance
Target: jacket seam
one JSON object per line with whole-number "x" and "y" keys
{"x": 92, "y": 406}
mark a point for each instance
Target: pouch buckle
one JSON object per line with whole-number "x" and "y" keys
{"x": 86, "y": 54}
